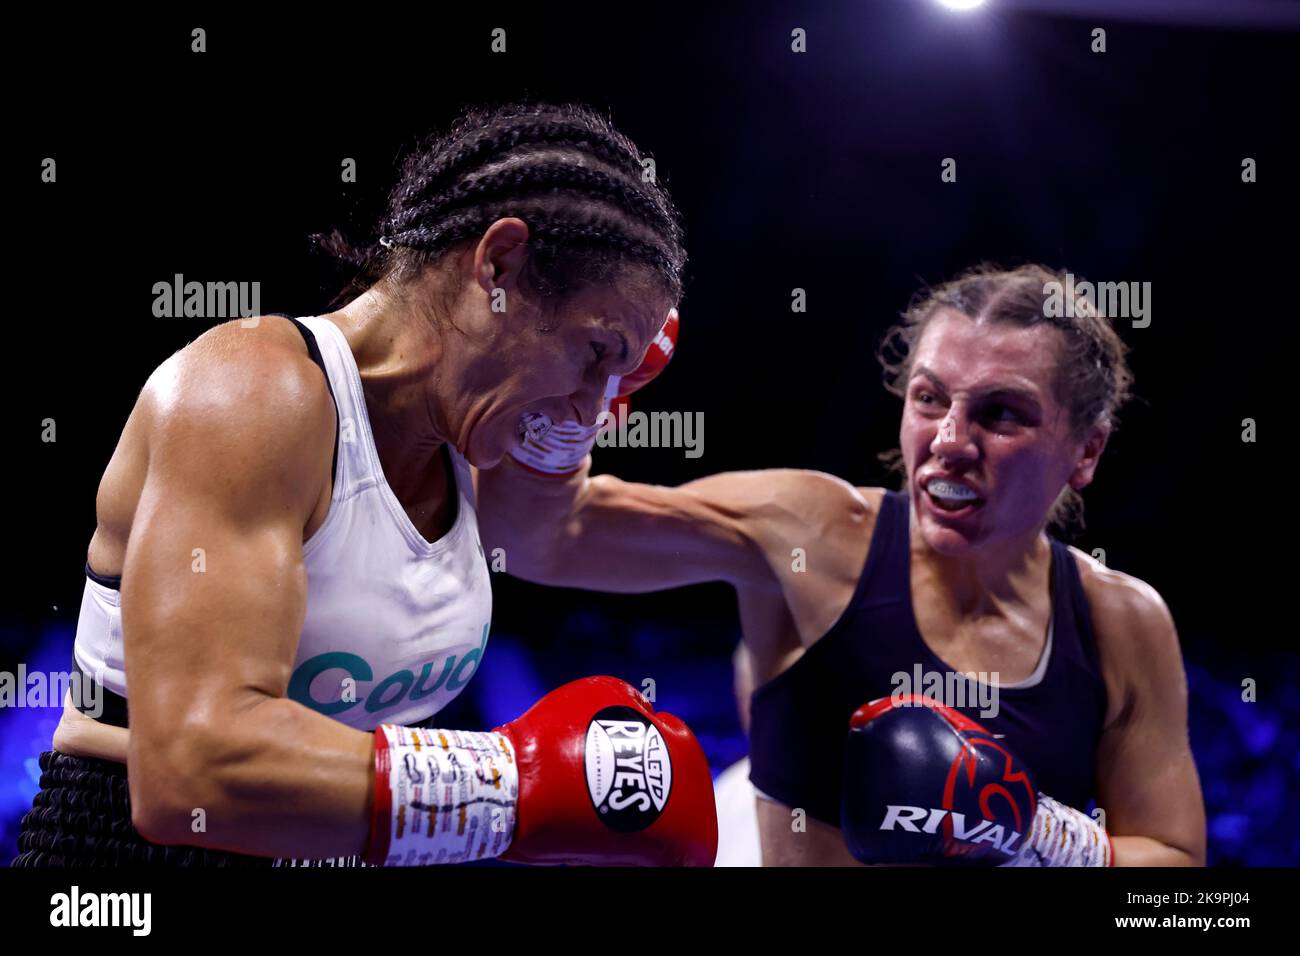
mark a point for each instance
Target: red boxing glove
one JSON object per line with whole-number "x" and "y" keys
{"x": 655, "y": 361}
{"x": 590, "y": 774}
{"x": 604, "y": 779}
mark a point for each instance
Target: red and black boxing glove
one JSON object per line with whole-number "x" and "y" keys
{"x": 925, "y": 784}
{"x": 590, "y": 774}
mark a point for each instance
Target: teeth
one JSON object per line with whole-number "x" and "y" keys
{"x": 951, "y": 490}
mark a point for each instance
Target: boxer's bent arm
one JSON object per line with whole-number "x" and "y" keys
{"x": 1146, "y": 777}
{"x": 213, "y": 600}
{"x": 605, "y": 534}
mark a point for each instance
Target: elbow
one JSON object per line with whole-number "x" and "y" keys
{"x": 1155, "y": 851}
{"x": 156, "y": 813}
{"x": 1181, "y": 857}
{"x": 172, "y": 789}
{"x": 152, "y": 822}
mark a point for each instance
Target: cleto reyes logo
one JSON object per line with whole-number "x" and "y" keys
{"x": 910, "y": 820}
{"x": 629, "y": 773}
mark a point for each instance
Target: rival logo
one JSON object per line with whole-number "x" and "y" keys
{"x": 629, "y": 773}
{"x": 907, "y": 818}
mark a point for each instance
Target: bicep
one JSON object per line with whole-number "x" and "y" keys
{"x": 1147, "y": 780}
{"x": 739, "y": 527}
{"x": 213, "y": 582}
{"x": 212, "y": 601}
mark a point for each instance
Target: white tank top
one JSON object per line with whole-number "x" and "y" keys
{"x": 395, "y": 625}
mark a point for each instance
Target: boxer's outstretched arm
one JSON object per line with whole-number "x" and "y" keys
{"x": 605, "y": 534}
{"x": 213, "y": 599}
{"x": 1146, "y": 777}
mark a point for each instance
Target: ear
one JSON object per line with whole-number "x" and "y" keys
{"x": 1090, "y": 451}
{"x": 500, "y": 255}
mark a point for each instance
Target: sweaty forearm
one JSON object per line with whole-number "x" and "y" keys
{"x": 275, "y": 779}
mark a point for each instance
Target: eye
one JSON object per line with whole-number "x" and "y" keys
{"x": 1004, "y": 413}
{"x": 599, "y": 349}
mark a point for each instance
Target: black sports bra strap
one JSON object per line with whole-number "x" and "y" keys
{"x": 313, "y": 349}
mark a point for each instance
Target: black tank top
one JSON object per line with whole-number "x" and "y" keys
{"x": 799, "y": 720}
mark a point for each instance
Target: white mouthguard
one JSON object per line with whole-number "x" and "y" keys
{"x": 534, "y": 425}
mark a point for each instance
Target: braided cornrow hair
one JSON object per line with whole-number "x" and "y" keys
{"x": 1093, "y": 379}
{"x": 578, "y": 183}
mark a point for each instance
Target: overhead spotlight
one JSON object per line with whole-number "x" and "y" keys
{"x": 961, "y": 4}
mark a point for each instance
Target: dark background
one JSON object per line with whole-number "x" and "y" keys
{"x": 818, "y": 171}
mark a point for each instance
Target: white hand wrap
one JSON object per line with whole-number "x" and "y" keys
{"x": 1064, "y": 836}
{"x": 441, "y": 796}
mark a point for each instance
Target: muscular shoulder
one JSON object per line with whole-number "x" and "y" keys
{"x": 251, "y": 398}
{"x": 1136, "y": 639}
{"x": 814, "y": 532}
{"x": 230, "y": 366}
{"x": 1124, "y": 606}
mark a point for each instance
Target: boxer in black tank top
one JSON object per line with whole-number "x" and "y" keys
{"x": 1054, "y": 724}
{"x": 1008, "y": 405}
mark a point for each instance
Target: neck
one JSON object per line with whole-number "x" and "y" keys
{"x": 398, "y": 356}
{"x": 987, "y": 581}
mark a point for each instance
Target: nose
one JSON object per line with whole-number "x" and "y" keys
{"x": 953, "y": 441}
{"x": 593, "y": 398}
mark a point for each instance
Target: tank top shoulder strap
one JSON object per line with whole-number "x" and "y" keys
{"x": 357, "y": 461}
{"x": 1073, "y": 637}
{"x": 313, "y": 350}
{"x": 885, "y": 576}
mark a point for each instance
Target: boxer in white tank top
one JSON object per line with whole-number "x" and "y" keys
{"x": 286, "y": 563}
{"x": 396, "y": 625}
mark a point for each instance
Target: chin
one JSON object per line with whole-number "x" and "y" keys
{"x": 947, "y": 542}
{"x": 949, "y": 538}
